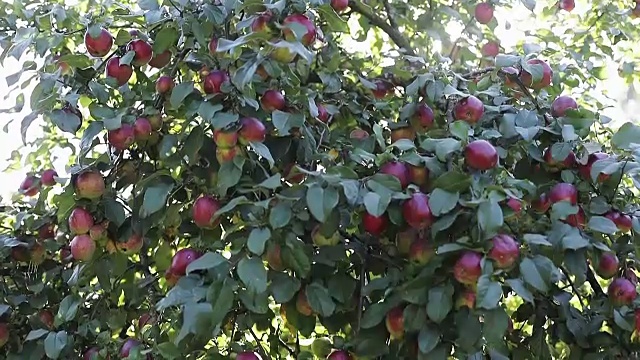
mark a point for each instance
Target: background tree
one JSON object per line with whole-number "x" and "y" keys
{"x": 246, "y": 185}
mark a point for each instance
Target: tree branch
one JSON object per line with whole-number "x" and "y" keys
{"x": 573, "y": 286}
{"x": 260, "y": 348}
{"x": 591, "y": 278}
{"x": 387, "y": 8}
{"x": 395, "y": 34}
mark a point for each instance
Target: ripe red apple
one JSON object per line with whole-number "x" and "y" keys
{"x": 556, "y": 165}
{"x": 260, "y": 23}
{"x": 89, "y": 185}
{"x": 323, "y": 114}
{"x": 92, "y": 354}
{"x": 127, "y": 346}
{"x": 467, "y": 269}
{"x": 394, "y": 321}
{"x": 248, "y": 355}
{"x": 545, "y": 81}
{"x": 490, "y": 49}
{"x": 20, "y": 253}
{"x": 309, "y": 36}
{"x": 214, "y": 81}
{"x": 142, "y": 129}
{"x": 374, "y": 225}
{"x": 339, "y": 5}
{"x": 466, "y": 298}
{"x": 203, "y": 210}
{"x": 423, "y": 116}
{"x": 563, "y": 192}
{"x": 416, "y": 211}
{"x": 607, "y": 265}
{"x": 146, "y": 319}
{"x": 100, "y": 46}
{"x": 65, "y": 254}
{"x": 133, "y": 245}
{"x": 273, "y": 256}
{"x": 123, "y": 137}
{"x": 122, "y": 73}
{"x": 98, "y": 231}
{"x": 630, "y": 274}
{"x": 225, "y": 139}
{"x": 561, "y": 104}
{"x": 80, "y": 221}
{"x": 621, "y": 292}
{"x": 64, "y": 67}
{"x": 469, "y": 109}
{"x": 635, "y": 12}
{"x": 164, "y": 84}
{"x": 340, "y": 355}
{"x": 382, "y": 89}
{"x": 30, "y": 186}
{"x": 585, "y": 170}
{"x": 515, "y": 205}
{"x": 567, "y": 5}
{"x": 251, "y": 129}
{"x": 182, "y": 259}
{"x": 272, "y": 100}
{"x": 319, "y": 239}
{"x": 484, "y": 13}
{"x": 578, "y": 220}
{"x": 302, "y": 304}
{"x": 82, "y": 247}
{"x": 143, "y": 52}
{"x": 406, "y": 132}
{"x": 46, "y": 317}
{"x": 47, "y": 231}
{"x": 420, "y": 252}
{"x": 480, "y": 155}
{"x": 398, "y": 170}
{"x": 510, "y": 74}
{"x": 213, "y": 46}
{"x": 48, "y": 177}
{"x": 504, "y": 251}
{"x": 224, "y": 155}
{"x": 161, "y": 60}
{"x": 541, "y": 204}
{"x": 622, "y": 221}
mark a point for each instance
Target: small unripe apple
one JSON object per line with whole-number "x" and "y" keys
{"x": 38, "y": 253}
{"x": 30, "y": 186}
{"x": 213, "y": 46}
{"x": 374, "y": 225}
{"x": 123, "y": 137}
{"x": 225, "y": 139}
{"x": 82, "y": 247}
{"x": 420, "y": 252}
{"x": 142, "y": 129}
{"x": 203, "y": 210}
{"x": 48, "y": 177}
{"x": 214, "y": 81}
{"x": 80, "y": 221}
{"x": 416, "y": 211}
{"x": 490, "y": 49}
{"x": 466, "y": 298}
{"x": 164, "y": 84}
{"x": 182, "y": 259}
{"x": 161, "y": 60}
{"x": 319, "y": 239}
{"x": 98, "y": 231}
{"x": 621, "y": 292}
{"x": 283, "y": 54}
{"x": 323, "y": 114}
{"x": 382, "y": 89}
{"x": 251, "y": 130}
{"x": 504, "y": 251}
{"x": 121, "y": 72}
{"x": 46, "y": 318}
{"x": 547, "y": 74}
{"x": 156, "y": 121}
{"x": 358, "y": 134}
{"x": 607, "y": 265}
{"x": 143, "y": 52}
{"x": 418, "y": 175}
{"x": 272, "y": 100}
{"x": 89, "y": 185}
{"x": 484, "y": 13}
{"x": 563, "y": 192}
{"x": 99, "y": 46}
{"x": 302, "y": 304}
{"x": 467, "y": 269}
{"x": 561, "y": 104}
{"x": 404, "y": 241}
{"x": 133, "y": 245}
{"x": 481, "y": 155}
{"x": 469, "y": 109}
{"x": 260, "y": 23}
{"x": 394, "y": 322}
{"x": 308, "y": 37}
{"x": 398, "y": 170}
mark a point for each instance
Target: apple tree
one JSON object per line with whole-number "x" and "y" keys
{"x": 244, "y": 182}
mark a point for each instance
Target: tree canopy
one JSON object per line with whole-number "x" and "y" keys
{"x": 335, "y": 179}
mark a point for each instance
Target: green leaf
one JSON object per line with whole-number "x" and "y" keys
{"x": 280, "y": 215}
{"x": 319, "y": 299}
{"x": 374, "y": 315}
{"x": 440, "y": 302}
{"x": 195, "y": 318}
{"x": 68, "y": 308}
{"x": 114, "y": 211}
{"x": 336, "y": 22}
{"x": 155, "y": 198}
{"x": 253, "y": 274}
{"x": 207, "y": 261}
{"x": 496, "y": 322}
{"x": 322, "y": 201}
{"x": 295, "y": 257}
{"x": 442, "y": 201}
{"x": 342, "y": 287}
{"x": 36, "y": 334}
{"x": 574, "y": 241}
{"x": 376, "y": 204}
{"x": 66, "y": 120}
{"x": 262, "y": 150}
{"x": 180, "y": 92}
{"x": 169, "y": 350}
{"x": 221, "y": 296}
{"x": 536, "y": 239}
{"x": 284, "y": 122}
{"x": 222, "y": 119}
{"x": 453, "y": 181}
{"x": 428, "y": 338}
{"x": 166, "y": 38}
{"x": 257, "y": 240}
{"x": 490, "y": 216}
{"x": 460, "y": 129}
{"x": 503, "y": 60}
{"x": 602, "y": 224}
{"x": 626, "y": 135}
{"x": 518, "y": 286}
{"x": 208, "y": 110}
{"x": 529, "y": 4}
{"x": 532, "y": 275}
{"x": 272, "y": 182}
{"x": 54, "y": 343}
{"x": 488, "y": 293}
{"x": 283, "y": 287}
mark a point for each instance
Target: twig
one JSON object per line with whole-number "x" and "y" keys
{"x": 395, "y": 35}
{"x": 455, "y": 43}
{"x": 361, "y": 294}
{"x": 392, "y": 20}
{"x": 261, "y": 349}
{"x": 591, "y": 278}
{"x": 473, "y": 74}
{"x": 573, "y": 286}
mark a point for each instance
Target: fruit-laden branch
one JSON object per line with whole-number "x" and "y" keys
{"x": 395, "y": 34}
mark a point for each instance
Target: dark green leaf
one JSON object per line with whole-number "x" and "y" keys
{"x": 257, "y": 240}
{"x": 488, "y": 293}
{"x": 440, "y": 302}
{"x": 54, "y": 343}
{"x": 253, "y": 274}
{"x": 180, "y": 92}
{"x": 319, "y": 299}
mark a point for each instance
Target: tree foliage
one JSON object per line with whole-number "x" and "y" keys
{"x": 244, "y": 183}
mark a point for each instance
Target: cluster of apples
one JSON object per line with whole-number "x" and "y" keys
{"x": 250, "y": 130}
{"x": 30, "y": 186}
{"x": 141, "y": 132}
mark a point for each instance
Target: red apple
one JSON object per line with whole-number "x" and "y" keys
{"x": 47, "y": 231}
{"x": 224, "y": 155}
{"x": 251, "y": 130}
{"x": 515, "y": 205}
{"x": 567, "y": 5}
{"x": 48, "y": 177}
{"x": 30, "y": 186}
{"x": 374, "y": 225}
{"x": 339, "y": 5}
{"x": 484, "y": 12}
{"x": 171, "y": 278}
{"x": 122, "y": 73}
{"x": 563, "y": 192}
{"x": 585, "y": 170}
{"x": 310, "y": 34}
{"x": 98, "y": 231}
{"x": 481, "y": 155}
{"x": 89, "y": 185}
{"x": 260, "y": 23}
{"x": 99, "y": 46}
{"x": 225, "y": 139}
{"x": 578, "y": 220}
{"x": 128, "y": 345}
{"x": 20, "y": 253}
{"x": 65, "y": 254}
{"x": 621, "y": 292}
{"x": 398, "y": 170}
{"x": 133, "y": 245}
{"x": 504, "y": 251}
{"x": 273, "y": 256}
{"x": 406, "y": 132}
{"x": 213, "y": 46}
{"x": 340, "y": 355}
{"x": 469, "y": 109}
{"x": 143, "y": 52}
{"x": 545, "y": 81}
{"x": 272, "y": 100}
{"x": 394, "y": 322}
{"x": 510, "y": 74}
{"x": 46, "y": 317}
{"x": 423, "y": 116}
{"x": 248, "y": 355}
{"x": 4, "y": 334}
{"x": 164, "y": 84}
{"x": 82, "y": 247}
{"x": 420, "y": 252}
{"x": 203, "y": 210}
{"x": 608, "y": 265}
{"x": 302, "y": 304}
{"x": 214, "y": 81}
{"x": 80, "y": 221}
{"x": 182, "y": 259}
{"x": 556, "y": 165}
{"x": 467, "y": 269}
{"x": 561, "y": 104}
{"x": 323, "y": 114}
{"x": 541, "y": 204}
{"x": 319, "y": 239}
{"x": 382, "y": 89}
{"x": 416, "y": 211}
{"x": 92, "y": 354}
{"x": 622, "y": 221}
{"x": 418, "y": 175}
{"x": 467, "y": 298}
{"x": 123, "y": 137}
{"x": 161, "y": 60}
{"x": 146, "y": 319}
{"x": 490, "y": 49}
{"x": 142, "y": 129}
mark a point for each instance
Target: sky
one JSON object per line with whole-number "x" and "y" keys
{"x": 511, "y": 32}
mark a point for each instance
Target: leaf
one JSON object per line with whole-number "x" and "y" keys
{"x": 205, "y": 262}
{"x": 221, "y": 296}
{"x": 295, "y": 257}
{"x": 376, "y": 204}
{"x": 180, "y": 92}
{"x": 54, "y": 343}
{"x": 36, "y": 334}
{"x": 195, "y": 316}
{"x": 503, "y": 60}
{"x": 460, "y": 129}
{"x": 283, "y": 287}
{"x": 24, "y": 125}
{"x": 319, "y": 299}
{"x": 490, "y": 216}
{"x": 226, "y": 45}
{"x": 208, "y": 110}
{"x": 374, "y": 315}
{"x": 94, "y": 128}
{"x": 262, "y": 150}
{"x": 222, "y": 119}
{"x": 68, "y": 308}
{"x": 488, "y": 293}
{"x": 253, "y": 274}
{"x": 518, "y": 286}
{"x": 428, "y": 338}
{"x": 321, "y": 201}
{"x": 166, "y": 38}
{"x": 529, "y": 4}
{"x": 440, "y": 302}
{"x": 626, "y": 135}
{"x": 574, "y": 241}
{"x": 257, "y": 240}
{"x": 442, "y": 201}
{"x": 602, "y": 224}
{"x": 66, "y": 120}
{"x": 453, "y": 181}
{"x": 496, "y": 323}
{"x": 114, "y": 211}
{"x": 155, "y": 198}
{"x": 280, "y": 215}
{"x": 336, "y": 23}
{"x": 284, "y": 122}
{"x": 532, "y": 275}
{"x": 536, "y": 239}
